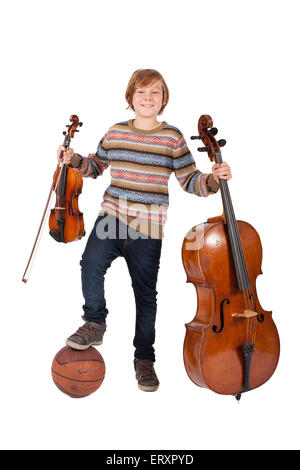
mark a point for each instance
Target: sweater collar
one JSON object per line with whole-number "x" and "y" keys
{"x": 144, "y": 131}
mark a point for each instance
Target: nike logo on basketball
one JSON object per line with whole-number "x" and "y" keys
{"x": 85, "y": 371}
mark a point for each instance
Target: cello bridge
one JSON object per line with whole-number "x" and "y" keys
{"x": 245, "y": 314}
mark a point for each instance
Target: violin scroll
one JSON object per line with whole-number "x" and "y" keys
{"x": 73, "y": 127}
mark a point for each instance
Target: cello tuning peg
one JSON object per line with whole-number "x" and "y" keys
{"x": 64, "y": 133}
{"x": 193, "y": 137}
{"x": 76, "y": 130}
{"x": 213, "y": 131}
{"x": 222, "y": 142}
{"x": 67, "y": 125}
{"x": 80, "y": 124}
{"x": 202, "y": 149}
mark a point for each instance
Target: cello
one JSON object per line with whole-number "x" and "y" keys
{"x": 232, "y": 345}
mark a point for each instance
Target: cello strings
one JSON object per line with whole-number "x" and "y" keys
{"x": 248, "y": 294}
{"x": 230, "y": 225}
{"x": 241, "y": 260}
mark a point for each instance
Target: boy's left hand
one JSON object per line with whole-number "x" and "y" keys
{"x": 221, "y": 170}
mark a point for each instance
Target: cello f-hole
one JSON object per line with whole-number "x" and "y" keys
{"x": 260, "y": 316}
{"x": 215, "y": 328}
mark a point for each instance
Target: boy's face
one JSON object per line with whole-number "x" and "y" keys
{"x": 147, "y": 101}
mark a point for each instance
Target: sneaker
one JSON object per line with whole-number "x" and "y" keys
{"x": 145, "y": 375}
{"x": 89, "y": 334}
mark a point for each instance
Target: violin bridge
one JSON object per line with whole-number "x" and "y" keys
{"x": 246, "y": 314}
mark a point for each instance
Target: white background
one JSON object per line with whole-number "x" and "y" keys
{"x": 234, "y": 60}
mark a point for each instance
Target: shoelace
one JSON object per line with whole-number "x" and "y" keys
{"x": 87, "y": 332}
{"x": 147, "y": 371}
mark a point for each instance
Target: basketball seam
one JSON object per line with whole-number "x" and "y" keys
{"x": 72, "y": 395}
{"x": 76, "y": 380}
{"x": 78, "y": 360}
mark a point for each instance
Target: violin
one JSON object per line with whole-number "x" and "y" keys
{"x": 65, "y": 221}
{"x": 232, "y": 345}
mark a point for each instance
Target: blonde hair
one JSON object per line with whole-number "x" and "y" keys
{"x": 142, "y": 78}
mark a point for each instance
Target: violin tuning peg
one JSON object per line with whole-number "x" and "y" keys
{"x": 202, "y": 149}
{"x": 222, "y": 142}
{"x": 80, "y": 124}
{"x": 76, "y": 130}
{"x": 64, "y": 133}
{"x": 68, "y": 125}
{"x": 213, "y": 131}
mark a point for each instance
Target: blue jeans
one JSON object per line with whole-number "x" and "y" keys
{"x": 142, "y": 256}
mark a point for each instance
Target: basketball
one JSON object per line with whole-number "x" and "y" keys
{"x": 78, "y": 373}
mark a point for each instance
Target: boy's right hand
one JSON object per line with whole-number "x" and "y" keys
{"x": 67, "y": 154}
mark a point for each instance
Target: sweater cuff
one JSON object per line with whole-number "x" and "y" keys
{"x": 76, "y": 160}
{"x": 211, "y": 184}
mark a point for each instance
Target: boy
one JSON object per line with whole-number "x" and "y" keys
{"x": 142, "y": 153}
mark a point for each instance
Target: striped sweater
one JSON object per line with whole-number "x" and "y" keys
{"x": 141, "y": 162}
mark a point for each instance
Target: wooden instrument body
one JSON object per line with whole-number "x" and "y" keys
{"x": 65, "y": 221}
{"x": 66, "y": 206}
{"x": 215, "y": 359}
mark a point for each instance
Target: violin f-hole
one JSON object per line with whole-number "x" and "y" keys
{"x": 215, "y": 328}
